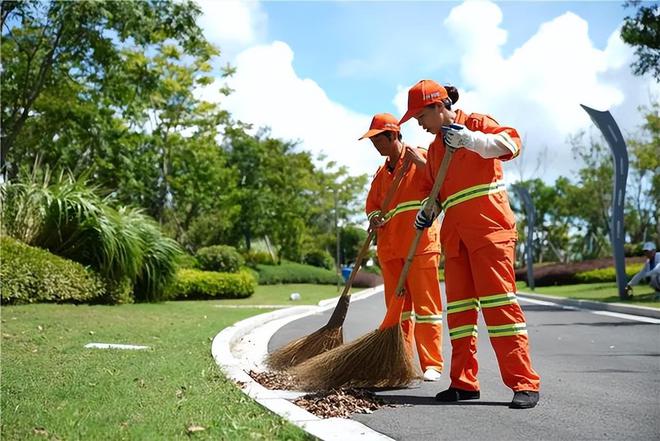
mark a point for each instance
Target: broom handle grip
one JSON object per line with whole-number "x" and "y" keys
{"x": 371, "y": 233}
{"x": 428, "y": 207}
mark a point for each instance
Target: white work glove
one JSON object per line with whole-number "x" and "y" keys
{"x": 422, "y": 220}
{"x": 457, "y": 136}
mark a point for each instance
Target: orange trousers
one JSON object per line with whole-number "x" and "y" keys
{"x": 422, "y": 294}
{"x": 484, "y": 278}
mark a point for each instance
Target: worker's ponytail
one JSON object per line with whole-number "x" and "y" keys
{"x": 453, "y": 93}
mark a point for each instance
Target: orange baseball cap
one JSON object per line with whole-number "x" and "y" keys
{"x": 421, "y": 95}
{"x": 382, "y": 122}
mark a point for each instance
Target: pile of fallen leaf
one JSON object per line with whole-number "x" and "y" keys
{"x": 340, "y": 403}
{"x": 274, "y": 380}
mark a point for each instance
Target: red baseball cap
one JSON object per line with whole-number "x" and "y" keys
{"x": 382, "y": 122}
{"x": 421, "y": 95}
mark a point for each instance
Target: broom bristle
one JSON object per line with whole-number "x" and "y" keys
{"x": 304, "y": 348}
{"x": 378, "y": 359}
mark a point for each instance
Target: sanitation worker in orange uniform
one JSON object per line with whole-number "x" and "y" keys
{"x": 478, "y": 238}
{"x": 395, "y": 232}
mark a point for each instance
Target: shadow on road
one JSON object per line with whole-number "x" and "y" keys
{"x": 614, "y": 324}
{"x": 430, "y": 401}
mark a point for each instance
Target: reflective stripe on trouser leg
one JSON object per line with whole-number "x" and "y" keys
{"x": 462, "y": 311}
{"x": 423, "y": 285}
{"x": 504, "y": 318}
{"x": 424, "y": 289}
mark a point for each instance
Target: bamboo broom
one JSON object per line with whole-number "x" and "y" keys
{"x": 380, "y": 358}
{"x": 330, "y": 335}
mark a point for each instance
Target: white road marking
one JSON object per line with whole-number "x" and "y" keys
{"x": 637, "y": 318}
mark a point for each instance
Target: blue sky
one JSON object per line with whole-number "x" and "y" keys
{"x": 316, "y": 72}
{"x": 327, "y": 36}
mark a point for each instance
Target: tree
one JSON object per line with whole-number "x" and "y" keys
{"x": 643, "y": 202}
{"x": 643, "y": 32}
{"x": 100, "y": 88}
{"x": 67, "y": 57}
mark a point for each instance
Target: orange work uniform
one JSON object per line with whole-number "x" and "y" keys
{"x": 478, "y": 238}
{"x": 393, "y": 241}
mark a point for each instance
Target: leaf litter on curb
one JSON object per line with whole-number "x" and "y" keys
{"x": 341, "y": 403}
{"x": 324, "y": 404}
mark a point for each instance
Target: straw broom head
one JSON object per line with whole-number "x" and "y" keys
{"x": 304, "y": 348}
{"x": 378, "y": 359}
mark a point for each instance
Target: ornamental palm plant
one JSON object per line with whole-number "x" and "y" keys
{"x": 70, "y": 219}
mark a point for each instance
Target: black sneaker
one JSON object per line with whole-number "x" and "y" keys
{"x": 524, "y": 399}
{"x": 453, "y": 394}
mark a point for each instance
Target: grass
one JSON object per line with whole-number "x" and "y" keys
{"x": 279, "y": 295}
{"x": 53, "y": 388}
{"x": 602, "y": 292}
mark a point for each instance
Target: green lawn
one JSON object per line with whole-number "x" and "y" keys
{"x": 53, "y": 388}
{"x": 602, "y": 292}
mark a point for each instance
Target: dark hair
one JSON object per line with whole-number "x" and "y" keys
{"x": 452, "y": 93}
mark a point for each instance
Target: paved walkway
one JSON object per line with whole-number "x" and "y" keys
{"x": 600, "y": 375}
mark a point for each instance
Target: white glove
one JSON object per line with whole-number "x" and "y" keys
{"x": 457, "y": 136}
{"x": 486, "y": 145}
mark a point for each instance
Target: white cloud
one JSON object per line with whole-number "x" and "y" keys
{"x": 538, "y": 89}
{"x": 233, "y": 23}
{"x": 268, "y": 92}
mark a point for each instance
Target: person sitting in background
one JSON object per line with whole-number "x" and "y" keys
{"x": 651, "y": 270}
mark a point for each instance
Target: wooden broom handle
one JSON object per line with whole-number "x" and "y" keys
{"x": 371, "y": 233}
{"x": 428, "y": 207}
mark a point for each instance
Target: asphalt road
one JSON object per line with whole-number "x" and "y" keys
{"x": 600, "y": 379}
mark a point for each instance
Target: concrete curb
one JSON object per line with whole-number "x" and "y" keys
{"x": 243, "y": 346}
{"x": 599, "y": 306}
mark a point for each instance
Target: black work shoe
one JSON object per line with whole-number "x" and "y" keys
{"x": 453, "y": 394}
{"x": 524, "y": 399}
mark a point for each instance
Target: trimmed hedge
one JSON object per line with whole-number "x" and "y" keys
{"x": 319, "y": 258}
{"x": 221, "y": 258}
{"x": 32, "y": 275}
{"x": 196, "y": 284}
{"x": 567, "y": 273}
{"x": 289, "y": 272}
{"x": 254, "y": 258}
{"x": 607, "y": 274}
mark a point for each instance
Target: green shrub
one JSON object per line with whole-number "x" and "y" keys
{"x": 68, "y": 218}
{"x": 554, "y": 274}
{"x": 373, "y": 269}
{"x": 196, "y": 284}
{"x": 289, "y": 272}
{"x": 606, "y": 274}
{"x": 319, "y": 258}
{"x": 221, "y": 258}
{"x": 118, "y": 292}
{"x": 254, "y": 258}
{"x": 187, "y": 261}
{"x": 31, "y": 274}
